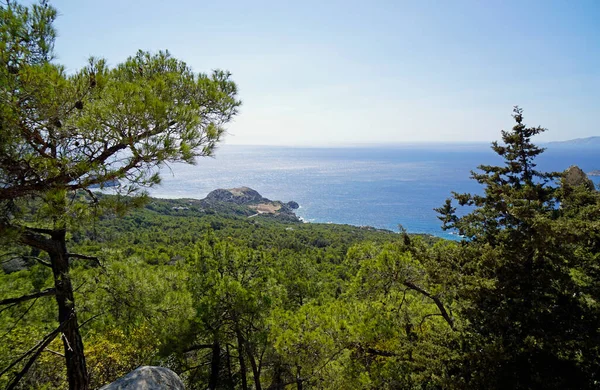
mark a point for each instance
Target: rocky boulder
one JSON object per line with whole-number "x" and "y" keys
{"x": 292, "y": 205}
{"x": 147, "y": 378}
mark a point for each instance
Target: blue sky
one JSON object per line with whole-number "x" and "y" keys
{"x": 334, "y": 73}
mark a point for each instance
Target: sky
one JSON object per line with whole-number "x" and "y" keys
{"x": 336, "y": 73}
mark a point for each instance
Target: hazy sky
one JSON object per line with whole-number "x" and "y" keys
{"x": 345, "y": 72}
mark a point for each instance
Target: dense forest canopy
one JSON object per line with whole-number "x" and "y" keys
{"x": 229, "y": 298}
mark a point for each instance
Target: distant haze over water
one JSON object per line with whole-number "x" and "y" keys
{"x": 376, "y": 186}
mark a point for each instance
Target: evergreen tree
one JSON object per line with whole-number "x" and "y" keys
{"x": 60, "y": 134}
{"x": 529, "y": 325}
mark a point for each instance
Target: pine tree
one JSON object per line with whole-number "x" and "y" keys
{"x": 524, "y": 307}
{"x": 60, "y": 134}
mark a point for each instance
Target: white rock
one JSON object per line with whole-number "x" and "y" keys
{"x": 147, "y": 378}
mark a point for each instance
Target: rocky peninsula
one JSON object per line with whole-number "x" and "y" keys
{"x": 252, "y": 201}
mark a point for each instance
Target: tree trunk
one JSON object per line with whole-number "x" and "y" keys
{"x": 229, "y": 370}
{"x": 215, "y": 364}
{"x": 277, "y": 380}
{"x": 255, "y": 369}
{"x": 298, "y": 378}
{"x": 243, "y": 369}
{"x": 73, "y": 345}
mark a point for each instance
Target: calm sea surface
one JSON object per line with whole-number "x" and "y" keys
{"x": 376, "y": 186}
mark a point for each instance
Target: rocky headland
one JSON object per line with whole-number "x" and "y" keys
{"x": 252, "y": 201}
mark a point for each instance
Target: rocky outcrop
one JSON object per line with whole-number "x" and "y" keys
{"x": 292, "y": 205}
{"x": 147, "y": 378}
{"x": 241, "y": 196}
{"x": 574, "y": 176}
{"x": 247, "y": 201}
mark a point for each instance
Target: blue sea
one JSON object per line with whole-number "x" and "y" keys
{"x": 381, "y": 187}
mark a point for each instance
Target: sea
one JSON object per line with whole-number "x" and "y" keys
{"x": 379, "y": 186}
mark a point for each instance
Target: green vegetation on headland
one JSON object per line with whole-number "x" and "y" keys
{"x": 233, "y": 291}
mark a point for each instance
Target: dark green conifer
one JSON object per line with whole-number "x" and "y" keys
{"x": 528, "y": 325}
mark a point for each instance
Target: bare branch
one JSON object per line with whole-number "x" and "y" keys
{"x": 40, "y": 230}
{"x": 10, "y": 259}
{"x": 19, "y": 319}
{"x": 379, "y": 352}
{"x": 435, "y": 299}
{"x": 36, "y": 350}
{"x": 372, "y": 351}
{"x": 38, "y": 259}
{"x": 54, "y": 352}
{"x": 85, "y": 257}
{"x": 32, "y": 237}
{"x": 90, "y": 320}
{"x": 8, "y": 307}
{"x": 426, "y": 317}
{"x": 43, "y": 293}
{"x": 91, "y": 194}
